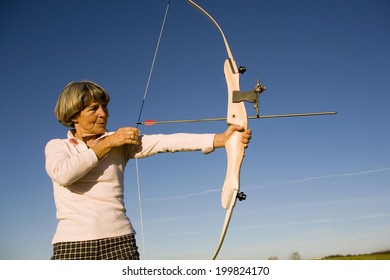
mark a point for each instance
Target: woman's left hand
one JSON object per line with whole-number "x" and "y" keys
{"x": 220, "y": 139}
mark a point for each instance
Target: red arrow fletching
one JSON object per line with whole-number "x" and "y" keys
{"x": 149, "y": 122}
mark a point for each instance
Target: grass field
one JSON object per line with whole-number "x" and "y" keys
{"x": 383, "y": 255}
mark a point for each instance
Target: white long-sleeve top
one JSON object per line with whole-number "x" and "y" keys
{"x": 88, "y": 192}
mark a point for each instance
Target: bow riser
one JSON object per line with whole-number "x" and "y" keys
{"x": 236, "y": 114}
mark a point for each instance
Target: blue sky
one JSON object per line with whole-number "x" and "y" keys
{"x": 316, "y": 185}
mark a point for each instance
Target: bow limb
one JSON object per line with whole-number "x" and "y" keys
{"x": 228, "y": 216}
{"x": 203, "y": 11}
{"x": 236, "y": 115}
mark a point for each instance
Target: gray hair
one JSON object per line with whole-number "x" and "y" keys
{"x": 75, "y": 97}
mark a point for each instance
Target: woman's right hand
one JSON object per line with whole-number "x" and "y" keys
{"x": 123, "y": 136}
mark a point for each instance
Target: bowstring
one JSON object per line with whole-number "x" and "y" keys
{"x": 138, "y": 121}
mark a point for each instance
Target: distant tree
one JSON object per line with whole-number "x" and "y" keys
{"x": 295, "y": 256}
{"x": 273, "y": 258}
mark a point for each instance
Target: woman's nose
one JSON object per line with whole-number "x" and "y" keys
{"x": 103, "y": 111}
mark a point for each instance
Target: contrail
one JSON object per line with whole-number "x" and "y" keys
{"x": 181, "y": 196}
{"x": 273, "y": 184}
{"x": 314, "y": 178}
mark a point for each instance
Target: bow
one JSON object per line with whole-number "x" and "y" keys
{"x": 236, "y": 114}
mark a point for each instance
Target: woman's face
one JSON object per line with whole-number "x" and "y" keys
{"x": 92, "y": 120}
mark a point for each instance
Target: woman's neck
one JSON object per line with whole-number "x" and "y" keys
{"x": 88, "y": 139}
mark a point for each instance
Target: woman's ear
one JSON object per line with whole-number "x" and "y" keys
{"x": 75, "y": 118}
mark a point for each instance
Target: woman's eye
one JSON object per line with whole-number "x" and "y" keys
{"x": 94, "y": 108}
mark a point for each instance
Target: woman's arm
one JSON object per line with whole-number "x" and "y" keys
{"x": 63, "y": 166}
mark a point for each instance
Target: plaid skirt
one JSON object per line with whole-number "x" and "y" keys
{"x": 113, "y": 248}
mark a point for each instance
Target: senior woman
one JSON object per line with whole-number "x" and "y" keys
{"x": 87, "y": 171}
